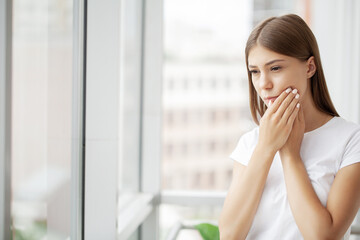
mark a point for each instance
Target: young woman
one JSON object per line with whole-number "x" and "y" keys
{"x": 297, "y": 175}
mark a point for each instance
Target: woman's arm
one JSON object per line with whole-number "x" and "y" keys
{"x": 313, "y": 219}
{"x": 248, "y": 182}
{"x": 244, "y": 195}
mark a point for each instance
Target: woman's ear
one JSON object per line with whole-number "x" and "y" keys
{"x": 311, "y": 67}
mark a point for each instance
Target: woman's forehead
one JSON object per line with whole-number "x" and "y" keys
{"x": 259, "y": 56}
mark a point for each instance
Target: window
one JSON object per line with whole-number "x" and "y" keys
{"x": 42, "y": 118}
{"x": 151, "y": 131}
{"x": 207, "y": 53}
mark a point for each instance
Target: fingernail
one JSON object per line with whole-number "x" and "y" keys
{"x": 288, "y": 90}
{"x": 270, "y": 102}
{"x": 297, "y": 96}
{"x": 298, "y": 105}
{"x": 294, "y": 91}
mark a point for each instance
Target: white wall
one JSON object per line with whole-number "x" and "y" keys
{"x": 336, "y": 25}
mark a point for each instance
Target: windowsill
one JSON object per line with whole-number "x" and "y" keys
{"x": 193, "y": 198}
{"x": 133, "y": 210}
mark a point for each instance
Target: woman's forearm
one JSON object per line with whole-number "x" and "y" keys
{"x": 244, "y": 196}
{"x": 312, "y": 218}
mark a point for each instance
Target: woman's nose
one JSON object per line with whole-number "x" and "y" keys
{"x": 265, "y": 82}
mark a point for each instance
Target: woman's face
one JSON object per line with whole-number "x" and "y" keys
{"x": 272, "y": 73}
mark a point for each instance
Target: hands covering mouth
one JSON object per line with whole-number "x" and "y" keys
{"x": 277, "y": 122}
{"x": 271, "y": 99}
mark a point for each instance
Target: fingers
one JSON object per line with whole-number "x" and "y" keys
{"x": 291, "y": 108}
{"x": 291, "y": 97}
{"x": 275, "y": 105}
{"x": 294, "y": 114}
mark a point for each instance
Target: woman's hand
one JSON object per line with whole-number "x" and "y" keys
{"x": 293, "y": 144}
{"x": 277, "y": 122}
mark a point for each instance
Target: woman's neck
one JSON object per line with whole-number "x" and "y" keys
{"x": 314, "y": 118}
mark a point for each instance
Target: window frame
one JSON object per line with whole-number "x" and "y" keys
{"x": 151, "y": 147}
{"x": 104, "y": 40}
{"x": 78, "y": 121}
{"x": 101, "y": 140}
{"x": 5, "y": 117}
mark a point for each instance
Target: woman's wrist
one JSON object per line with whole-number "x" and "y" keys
{"x": 266, "y": 151}
{"x": 289, "y": 156}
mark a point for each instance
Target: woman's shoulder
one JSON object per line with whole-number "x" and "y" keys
{"x": 345, "y": 133}
{"x": 349, "y": 134}
{"x": 343, "y": 126}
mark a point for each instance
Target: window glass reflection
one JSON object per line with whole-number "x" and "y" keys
{"x": 41, "y": 114}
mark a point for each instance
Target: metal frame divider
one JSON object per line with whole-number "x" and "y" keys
{"x": 78, "y": 120}
{"x": 151, "y": 112}
{"x": 5, "y": 117}
{"x": 102, "y": 119}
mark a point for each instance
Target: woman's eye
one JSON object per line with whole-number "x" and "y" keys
{"x": 275, "y": 68}
{"x": 254, "y": 72}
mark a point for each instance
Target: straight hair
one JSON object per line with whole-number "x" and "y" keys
{"x": 289, "y": 35}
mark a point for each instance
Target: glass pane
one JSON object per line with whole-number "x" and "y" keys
{"x": 42, "y": 115}
{"x": 205, "y": 92}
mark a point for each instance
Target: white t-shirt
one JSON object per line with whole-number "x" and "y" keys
{"x": 324, "y": 151}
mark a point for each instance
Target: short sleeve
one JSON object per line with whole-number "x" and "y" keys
{"x": 244, "y": 148}
{"x": 352, "y": 150}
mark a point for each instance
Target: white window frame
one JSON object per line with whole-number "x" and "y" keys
{"x": 152, "y": 112}
{"x": 104, "y": 41}
{"x": 101, "y": 138}
{"x": 5, "y": 117}
{"x": 194, "y": 198}
{"x": 77, "y": 155}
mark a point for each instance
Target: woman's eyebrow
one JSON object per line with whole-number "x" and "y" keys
{"x": 269, "y": 63}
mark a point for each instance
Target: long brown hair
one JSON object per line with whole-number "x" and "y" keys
{"x": 288, "y": 35}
